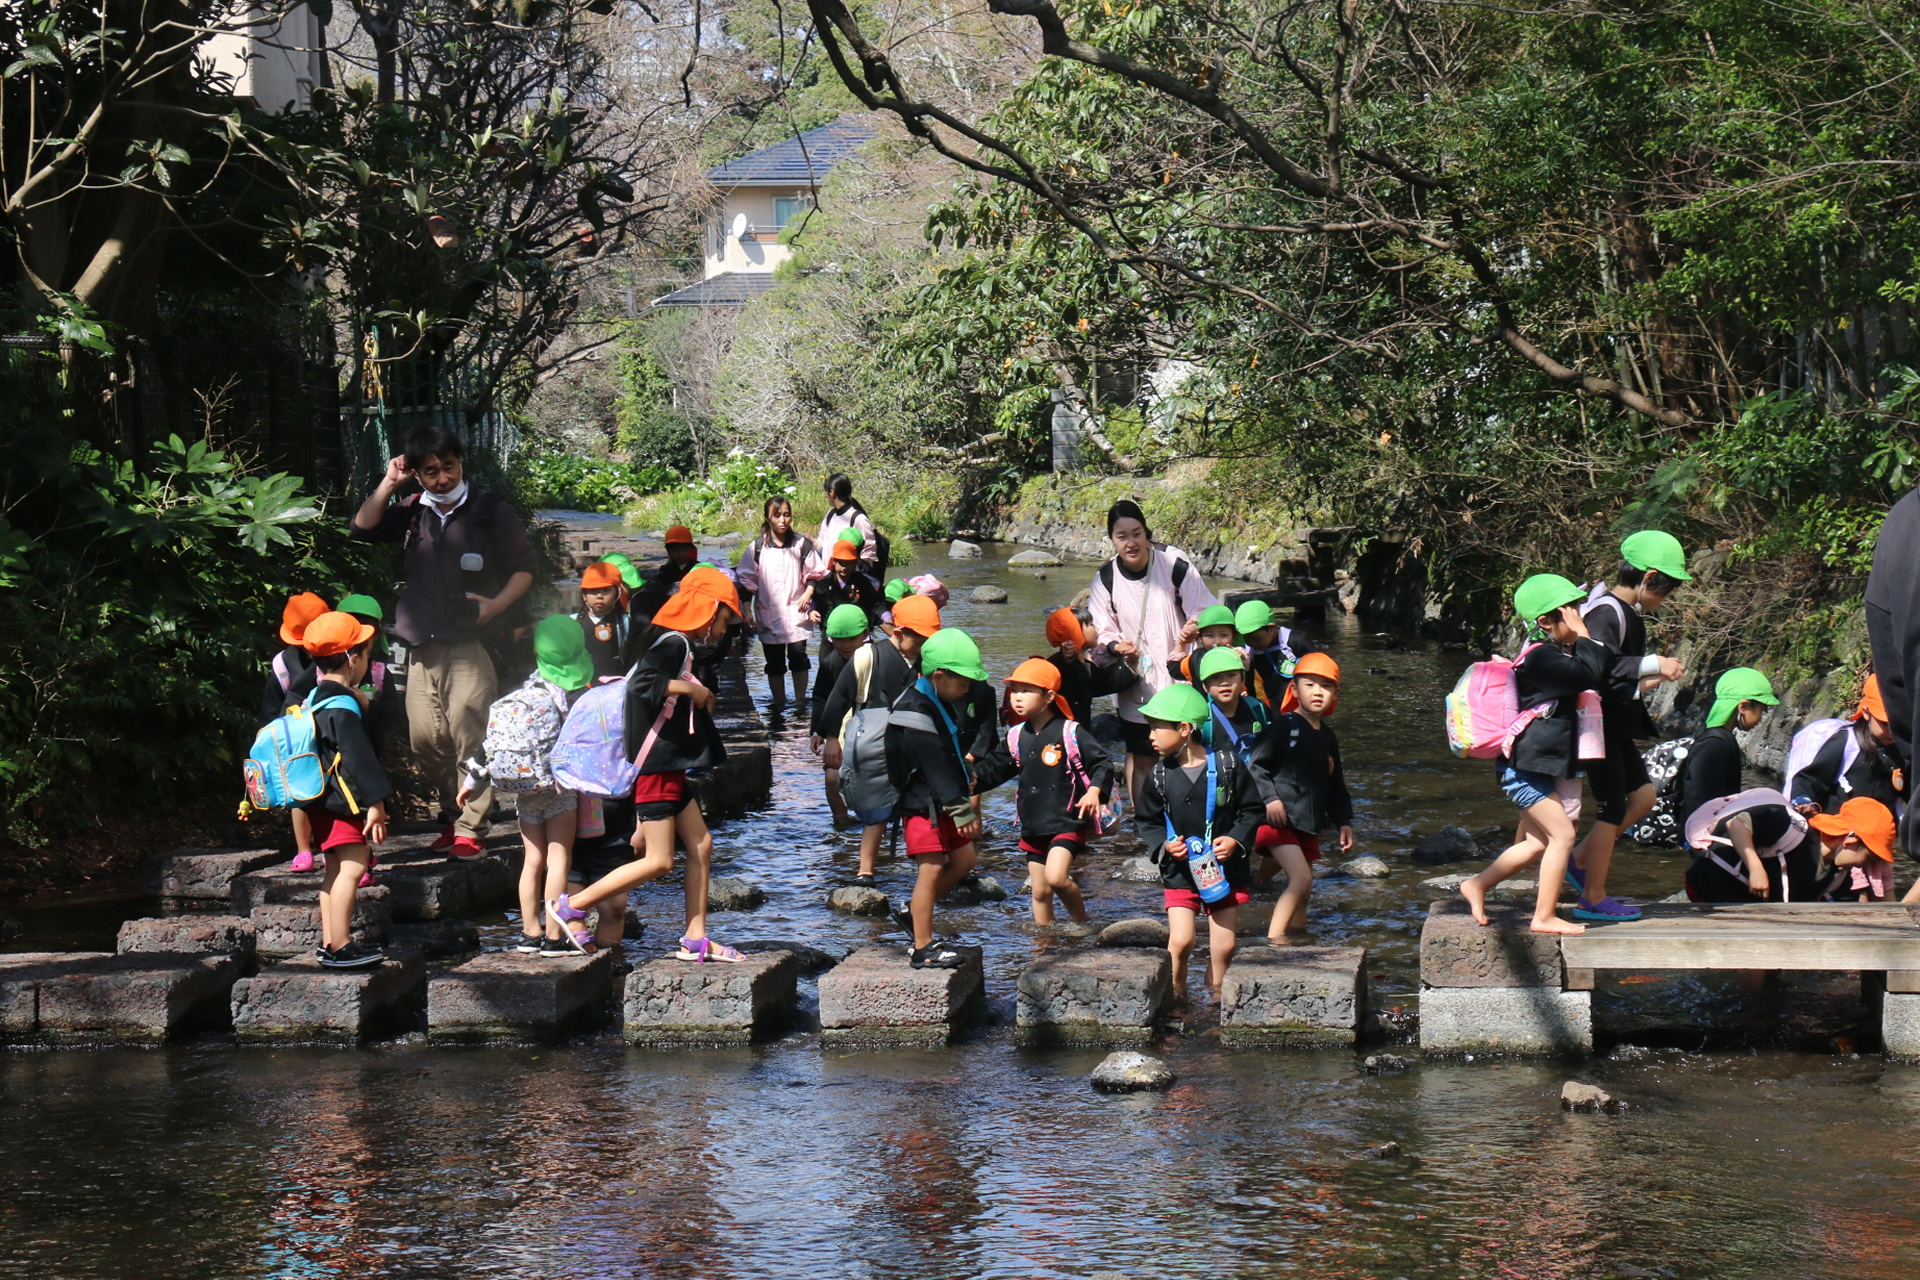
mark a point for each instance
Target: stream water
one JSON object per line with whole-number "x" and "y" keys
{"x": 1756, "y": 1143}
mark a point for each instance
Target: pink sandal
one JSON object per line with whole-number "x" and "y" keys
{"x": 564, "y": 913}
{"x": 701, "y": 950}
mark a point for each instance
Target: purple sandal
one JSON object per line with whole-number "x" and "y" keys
{"x": 1608, "y": 910}
{"x": 702, "y": 950}
{"x": 564, "y": 913}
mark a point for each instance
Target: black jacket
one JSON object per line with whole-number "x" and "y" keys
{"x": 892, "y": 673}
{"x": 1871, "y": 775}
{"x": 1619, "y": 628}
{"x": 274, "y": 700}
{"x": 926, "y": 764}
{"x": 1271, "y": 669}
{"x": 1048, "y": 788}
{"x": 1081, "y": 682}
{"x": 1168, "y": 792}
{"x": 1893, "y": 626}
{"x": 1548, "y": 673}
{"x": 688, "y": 739}
{"x": 607, "y": 653}
{"x": 1249, "y": 722}
{"x": 859, "y": 587}
{"x": 1299, "y": 766}
{"x": 434, "y": 605}
{"x": 1712, "y": 770}
{"x": 355, "y": 780}
{"x": 383, "y": 702}
{"x": 831, "y": 665}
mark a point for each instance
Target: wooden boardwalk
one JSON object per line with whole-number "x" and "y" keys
{"x": 1873, "y": 937}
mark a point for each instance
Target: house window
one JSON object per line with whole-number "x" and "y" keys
{"x": 787, "y": 208}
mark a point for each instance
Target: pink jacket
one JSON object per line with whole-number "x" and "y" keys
{"x": 1149, "y": 613}
{"x": 776, "y": 577}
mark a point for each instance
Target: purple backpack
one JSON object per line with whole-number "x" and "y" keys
{"x": 590, "y": 755}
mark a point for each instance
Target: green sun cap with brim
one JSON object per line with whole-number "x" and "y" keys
{"x": 1218, "y": 659}
{"x": 847, "y": 621}
{"x": 951, "y": 649}
{"x": 362, "y": 605}
{"x": 1543, "y": 593}
{"x": 560, "y": 651}
{"x": 1215, "y": 615}
{"x": 1252, "y": 616}
{"x": 1661, "y": 552}
{"x": 898, "y": 590}
{"x": 624, "y": 563}
{"x": 1741, "y": 684}
{"x": 1178, "y": 704}
{"x": 853, "y": 535}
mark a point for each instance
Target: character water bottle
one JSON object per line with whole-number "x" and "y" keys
{"x": 1588, "y": 720}
{"x": 1208, "y": 876}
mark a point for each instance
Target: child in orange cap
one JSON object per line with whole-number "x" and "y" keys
{"x": 1064, "y": 778}
{"x": 603, "y": 618}
{"x": 1859, "y": 841}
{"x": 681, "y": 557}
{"x": 670, "y": 730}
{"x": 290, "y": 666}
{"x": 1296, "y": 764}
{"x": 1087, "y": 671}
{"x": 1857, "y": 759}
{"x": 846, "y": 582}
{"x": 351, "y": 814}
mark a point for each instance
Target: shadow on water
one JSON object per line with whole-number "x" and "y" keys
{"x": 985, "y": 1160}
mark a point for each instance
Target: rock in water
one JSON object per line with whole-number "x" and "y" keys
{"x": 963, "y": 550}
{"x": 811, "y": 959}
{"x": 730, "y": 893}
{"x": 1385, "y": 1151}
{"x": 1034, "y": 557}
{"x": 1137, "y": 871}
{"x": 631, "y": 927}
{"x": 1142, "y": 931}
{"x": 1128, "y": 1072}
{"x": 1575, "y": 1096}
{"x": 989, "y": 595}
{"x": 1366, "y": 867}
{"x": 1449, "y": 883}
{"x": 969, "y": 892}
{"x": 858, "y": 901}
{"x": 1449, "y": 844}
{"x": 1378, "y": 1063}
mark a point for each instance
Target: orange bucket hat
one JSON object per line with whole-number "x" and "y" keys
{"x": 1064, "y": 625}
{"x": 1871, "y": 703}
{"x": 677, "y": 536}
{"x": 600, "y": 575}
{"x": 700, "y": 596}
{"x": 333, "y": 633}
{"x": 917, "y": 614}
{"x": 1321, "y": 667}
{"x": 1041, "y": 674}
{"x": 1861, "y": 816}
{"x": 844, "y": 551}
{"x": 299, "y": 612}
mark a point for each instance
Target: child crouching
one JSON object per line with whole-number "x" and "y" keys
{"x": 351, "y": 814}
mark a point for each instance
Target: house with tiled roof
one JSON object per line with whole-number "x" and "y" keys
{"x": 760, "y": 196}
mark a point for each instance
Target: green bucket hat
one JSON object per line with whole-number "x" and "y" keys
{"x": 1661, "y": 552}
{"x": 1218, "y": 659}
{"x": 365, "y": 606}
{"x": 1252, "y": 616}
{"x": 1542, "y": 594}
{"x": 1741, "y": 684}
{"x": 560, "y": 651}
{"x": 898, "y": 590}
{"x": 951, "y": 649}
{"x": 847, "y": 621}
{"x": 1215, "y": 615}
{"x": 853, "y": 535}
{"x": 1178, "y": 704}
{"x": 628, "y": 574}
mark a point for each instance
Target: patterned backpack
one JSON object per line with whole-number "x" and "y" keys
{"x": 1666, "y": 766}
{"x": 521, "y": 730}
{"x": 590, "y": 754}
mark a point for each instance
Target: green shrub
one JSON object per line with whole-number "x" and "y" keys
{"x": 574, "y": 483}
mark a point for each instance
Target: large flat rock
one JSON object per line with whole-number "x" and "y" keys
{"x": 299, "y": 1002}
{"x": 1456, "y": 952}
{"x": 420, "y": 885}
{"x": 1301, "y": 996}
{"x": 504, "y": 997}
{"x": 1530, "y": 1021}
{"x": 875, "y": 997}
{"x": 98, "y": 998}
{"x": 1093, "y": 996}
{"x": 744, "y": 779}
{"x": 669, "y": 1001}
{"x": 293, "y": 928}
{"x": 203, "y": 875}
{"x": 197, "y": 935}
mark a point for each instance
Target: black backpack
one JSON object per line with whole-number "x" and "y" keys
{"x": 1666, "y": 770}
{"x": 1181, "y": 568}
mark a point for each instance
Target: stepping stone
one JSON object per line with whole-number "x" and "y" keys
{"x": 432, "y": 886}
{"x": 670, "y": 1001}
{"x": 1530, "y": 1021}
{"x": 1285, "y": 996}
{"x": 742, "y": 781}
{"x": 1093, "y": 996}
{"x": 299, "y": 1002}
{"x": 504, "y": 997}
{"x": 875, "y": 998}
{"x": 293, "y": 928}
{"x": 1140, "y": 931}
{"x": 1456, "y": 952}
{"x": 730, "y": 893}
{"x": 203, "y": 875}
{"x": 1899, "y": 1026}
{"x": 199, "y": 935}
{"x": 810, "y": 959}
{"x": 435, "y": 939}
{"x": 98, "y": 998}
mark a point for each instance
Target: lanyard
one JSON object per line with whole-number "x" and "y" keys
{"x": 953, "y": 730}
{"x": 1175, "y": 835}
{"x": 1226, "y": 724}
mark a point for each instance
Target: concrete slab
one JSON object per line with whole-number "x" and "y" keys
{"x": 420, "y": 885}
{"x": 1093, "y": 996}
{"x": 293, "y": 928}
{"x": 1294, "y": 996}
{"x": 669, "y": 1001}
{"x": 744, "y": 779}
{"x": 203, "y": 875}
{"x": 1456, "y": 952}
{"x": 95, "y": 998}
{"x": 1900, "y": 1026}
{"x": 504, "y": 997}
{"x": 199, "y": 935}
{"x": 1531, "y": 1021}
{"x": 876, "y": 998}
{"x": 299, "y": 1002}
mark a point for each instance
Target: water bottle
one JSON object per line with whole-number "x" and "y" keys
{"x": 1588, "y": 720}
{"x": 1209, "y": 878}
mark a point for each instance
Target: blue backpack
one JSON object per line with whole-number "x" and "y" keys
{"x": 283, "y": 770}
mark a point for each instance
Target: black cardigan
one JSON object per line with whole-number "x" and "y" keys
{"x": 925, "y": 765}
{"x": 355, "y": 780}
{"x": 689, "y": 738}
{"x": 1237, "y": 813}
{"x": 1299, "y": 766}
{"x": 1712, "y": 770}
{"x": 1548, "y": 673}
{"x": 1048, "y": 789}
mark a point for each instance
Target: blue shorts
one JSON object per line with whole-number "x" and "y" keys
{"x": 873, "y": 817}
{"x": 1526, "y": 788}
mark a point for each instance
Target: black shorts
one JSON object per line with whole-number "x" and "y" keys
{"x": 600, "y": 857}
{"x": 784, "y": 657}
{"x": 1620, "y": 773}
{"x": 1135, "y": 737}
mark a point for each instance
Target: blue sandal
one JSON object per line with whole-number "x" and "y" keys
{"x": 1608, "y": 910}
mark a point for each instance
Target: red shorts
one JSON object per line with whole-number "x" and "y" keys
{"x": 925, "y": 839}
{"x": 1075, "y": 840}
{"x": 1191, "y": 901}
{"x": 1269, "y": 836}
{"x": 331, "y": 831}
{"x": 659, "y": 795}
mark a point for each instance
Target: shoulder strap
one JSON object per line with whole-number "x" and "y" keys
{"x": 1013, "y": 741}
{"x": 332, "y": 699}
{"x": 281, "y": 672}
{"x": 863, "y": 672}
{"x": 1106, "y": 576}
{"x": 1180, "y": 568}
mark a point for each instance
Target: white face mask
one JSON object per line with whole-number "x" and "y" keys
{"x": 448, "y": 501}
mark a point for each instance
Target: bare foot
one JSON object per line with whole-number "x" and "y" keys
{"x": 1554, "y": 924}
{"x": 1476, "y": 899}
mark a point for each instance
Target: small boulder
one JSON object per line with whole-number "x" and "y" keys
{"x": 1128, "y": 1072}
{"x": 1385, "y": 1151}
{"x": 1366, "y": 867}
{"x": 810, "y": 959}
{"x": 858, "y": 901}
{"x": 963, "y": 550}
{"x": 631, "y": 927}
{"x": 730, "y": 893}
{"x": 1575, "y": 1096}
{"x": 1381, "y": 1063}
{"x": 10, "y": 928}
{"x": 989, "y": 595}
{"x": 1449, "y": 883}
{"x": 1141, "y": 931}
{"x": 1137, "y": 871}
{"x": 1034, "y": 557}
{"x": 1449, "y": 844}
{"x": 970, "y": 892}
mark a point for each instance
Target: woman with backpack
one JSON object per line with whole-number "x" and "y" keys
{"x": 779, "y": 601}
{"x": 845, "y": 512}
{"x": 669, "y": 731}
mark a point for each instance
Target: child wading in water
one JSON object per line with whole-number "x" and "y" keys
{"x": 1062, "y": 782}
{"x": 1544, "y": 756}
{"x": 670, "y": 729}
{"x": 351, "y": 815}
{"x": 1216, "y": 632}
{"x": 1296, "y": 765}
{"x": 1083, "y": 675}
{"x": 847, "y": 629}
{"x": 1195, "y": 801}
{"x": 603, "y": 618}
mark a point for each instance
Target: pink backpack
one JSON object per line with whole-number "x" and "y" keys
{"x": 1106, "y": 819}
{"x": 1483, "y": 711}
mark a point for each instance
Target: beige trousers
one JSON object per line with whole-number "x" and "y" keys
{"x": 450, "y": 687}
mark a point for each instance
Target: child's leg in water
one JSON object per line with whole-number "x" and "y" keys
{"x": 1529, "y": 842}
{"x": 344, "y": 865}
{"x": 1221, "y": 941}
{"x": 835, "y": 804}
{"x": 1057, "y": 873}
{"x": 870, "y": 847}
{"x": 1290, "y": 913}
{"x": 1042, "y": 892}
{"x": 932, "y": 882}
{"x": 1180, "y": 935}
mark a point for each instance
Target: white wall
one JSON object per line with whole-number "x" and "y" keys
{"x": 268, "y": 59}
{"x": 760, "y": 252}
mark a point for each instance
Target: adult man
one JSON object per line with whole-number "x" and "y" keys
{"x": 467, "y": 562}
{"x": 1893, "y": 626}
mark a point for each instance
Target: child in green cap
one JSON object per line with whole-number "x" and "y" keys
{"x": 1216, "y": 631}
{"x": 1272, "y": 651}
{"x": 1237, "y": 719}
{"x": 1191, "y": 794}
{"x": 1540, "y": 769}
{"x": 1712, "y": 771}
{"x": 846, "y": 632}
